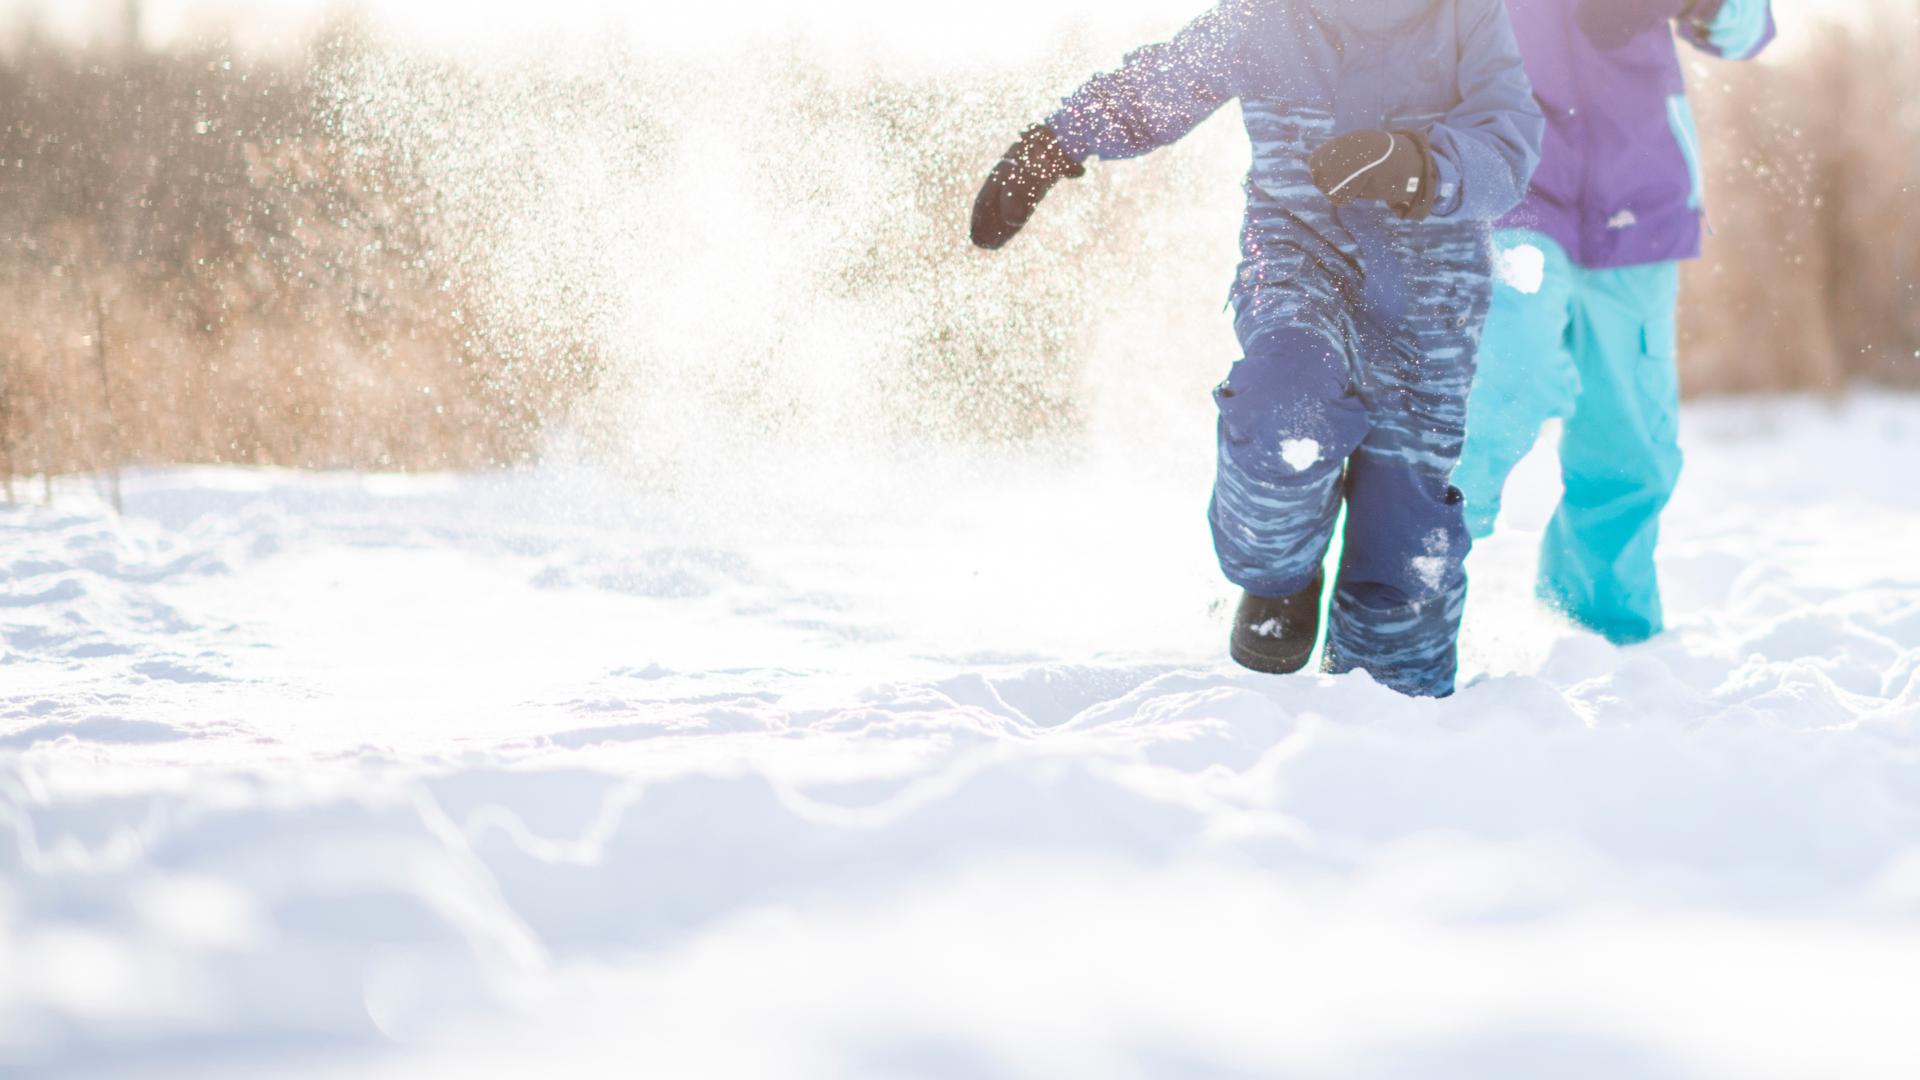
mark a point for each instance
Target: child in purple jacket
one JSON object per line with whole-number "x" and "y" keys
{"x": 1586, "y": 280}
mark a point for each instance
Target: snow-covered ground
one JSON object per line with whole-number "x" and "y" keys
{"x": 936, "y": 769}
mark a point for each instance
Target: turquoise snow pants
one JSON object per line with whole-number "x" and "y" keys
{"x": 1596, "y": 348}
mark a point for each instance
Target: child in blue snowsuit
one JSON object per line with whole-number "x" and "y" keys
{"x": 1582, "y": 324}
{"x": 1387, "y": 135}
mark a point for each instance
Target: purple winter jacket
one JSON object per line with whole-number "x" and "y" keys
{"x": 1619, "y": 176}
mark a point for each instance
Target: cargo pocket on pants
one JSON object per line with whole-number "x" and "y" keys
{"x": 1657, "y": 378}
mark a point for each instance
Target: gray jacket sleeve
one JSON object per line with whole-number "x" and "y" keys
{"x": 1160, "y": 93}
{"x": 1489, "y": 145}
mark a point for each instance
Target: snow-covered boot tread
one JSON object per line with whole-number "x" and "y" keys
{"x": 1276, "y": 636}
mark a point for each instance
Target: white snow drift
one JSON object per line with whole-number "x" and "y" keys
{"x": 938, "y": 770}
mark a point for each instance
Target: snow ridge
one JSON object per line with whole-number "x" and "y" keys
{"x": 401, "y": 777}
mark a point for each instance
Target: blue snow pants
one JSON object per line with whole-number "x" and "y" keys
{"x": 1595, "y": 347}
{"x": 1341, "y": 397}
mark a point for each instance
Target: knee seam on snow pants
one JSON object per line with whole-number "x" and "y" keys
{"x": 1284, "y": 412}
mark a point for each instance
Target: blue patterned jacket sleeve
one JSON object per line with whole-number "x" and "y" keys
{"x": 1730, "y": 29}
{"x": 1489, "y": 145}
{"x": 1486, "y": 147}
{"x": 1160, "y": 93}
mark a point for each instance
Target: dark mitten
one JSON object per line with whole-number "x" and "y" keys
{"x": 1394, "y": 167}
{"x": 1611, "y": 24}
{"x": 1015, "y": 186}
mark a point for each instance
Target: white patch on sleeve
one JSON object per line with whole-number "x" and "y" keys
{"x": 1299, "y": 453}
{"x": 1523, "y": 268}
{"x": 1431, "y": 568}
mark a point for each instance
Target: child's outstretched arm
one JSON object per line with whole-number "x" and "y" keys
{"x": 1160, "y": 93}
{"x": 1486, "y": 149}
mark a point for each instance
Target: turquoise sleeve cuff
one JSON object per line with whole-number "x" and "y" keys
{"x": 1730, "y": 29}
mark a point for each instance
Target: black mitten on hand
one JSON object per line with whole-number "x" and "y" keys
{"x": 1611, "y": 24}
{"x": 1015, "y": 186}
{"x": 1395, "y": 167}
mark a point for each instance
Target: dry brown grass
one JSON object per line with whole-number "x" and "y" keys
{"x": 374, "y": 260}
{"x": 1812, "y": 168}
{"x": 196, "y": 270}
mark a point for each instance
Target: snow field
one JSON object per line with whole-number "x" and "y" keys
{"x": 937, "y": 769}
